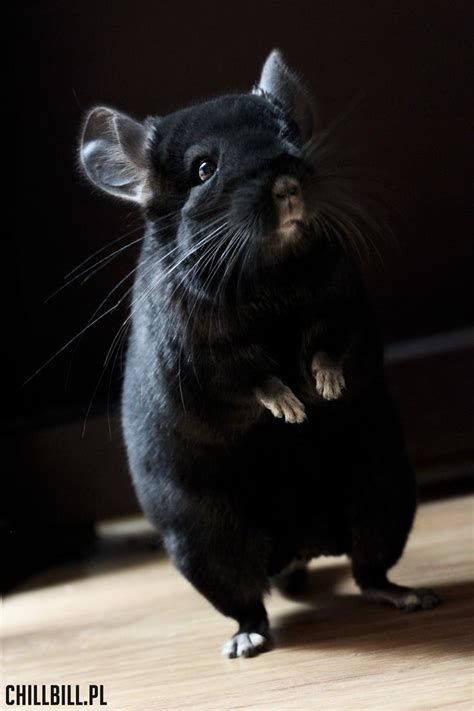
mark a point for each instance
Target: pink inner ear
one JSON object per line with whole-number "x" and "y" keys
{"x": 113, "y": 153}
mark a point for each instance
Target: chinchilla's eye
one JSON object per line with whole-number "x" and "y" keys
{"x": 206, "y": 170}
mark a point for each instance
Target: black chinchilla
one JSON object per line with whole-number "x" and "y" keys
{"x": 257, "y": 421}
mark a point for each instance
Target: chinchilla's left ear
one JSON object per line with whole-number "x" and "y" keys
{"x": 112, "y": 154}
{"x": 281, "y": 82}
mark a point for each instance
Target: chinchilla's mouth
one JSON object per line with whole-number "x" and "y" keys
{"x": 291, "y": 222}
{"x": 290, "y": 230}
{"x": 291, "y": 227}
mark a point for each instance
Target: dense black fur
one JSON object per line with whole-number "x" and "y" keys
{"x": 237, "y": 494}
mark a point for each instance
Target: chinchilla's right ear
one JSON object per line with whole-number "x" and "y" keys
{"x": 112, "y": 153}
{"x": 278, "y": 80}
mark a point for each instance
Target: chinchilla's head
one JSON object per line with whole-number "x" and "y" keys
{"x": 231, "y": 176}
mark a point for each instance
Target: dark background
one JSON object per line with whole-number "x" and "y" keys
{"x": 410, "y": 64}
{"x": 409, "y": 61}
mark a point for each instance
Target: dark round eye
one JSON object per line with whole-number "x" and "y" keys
{"x": 206, "y": 170}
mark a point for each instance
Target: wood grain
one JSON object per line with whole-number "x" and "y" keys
{"x": 135, "y": 625}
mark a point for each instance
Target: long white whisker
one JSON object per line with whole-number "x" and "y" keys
{"x": 95, "y": 319}
{"x": 160, "y": 278}
{"x": 90, "y": 271}
{"x": 102, "y": 249}
{"x": 123, "y": 328}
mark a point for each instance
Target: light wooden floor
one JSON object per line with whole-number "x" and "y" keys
{"x": 136, "y": 626}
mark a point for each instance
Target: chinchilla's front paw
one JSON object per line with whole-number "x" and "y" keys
{"x": 328, "y": 376}
{"x": 281, "y": 401}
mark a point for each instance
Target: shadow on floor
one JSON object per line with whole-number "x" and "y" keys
{"x": 333, "y": 621}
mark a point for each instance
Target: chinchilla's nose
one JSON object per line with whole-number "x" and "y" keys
{"x": 288, "y": 200}
{"x": 285, "y": 187}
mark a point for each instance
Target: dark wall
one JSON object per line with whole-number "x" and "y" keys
{"x": 412, "y": 62}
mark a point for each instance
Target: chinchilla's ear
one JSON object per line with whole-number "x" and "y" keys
{"x": 112, "y": 153}
{"x": 278, "y": 80}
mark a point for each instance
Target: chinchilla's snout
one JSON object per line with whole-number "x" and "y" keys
{"x": 288, "y": 206}
{"x": 288, "y": 200}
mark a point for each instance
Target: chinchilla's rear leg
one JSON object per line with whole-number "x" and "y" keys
{"x": 375, "y": 585}
{"x": 228, "y": 569}
{"x": 253, "y": 636}
{"x": 384, "y": 504}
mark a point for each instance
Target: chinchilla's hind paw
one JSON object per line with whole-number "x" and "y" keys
{"x": 403, "y": 598}
{"x": 418, "y": 599}
{"x": 246, "y": 644}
